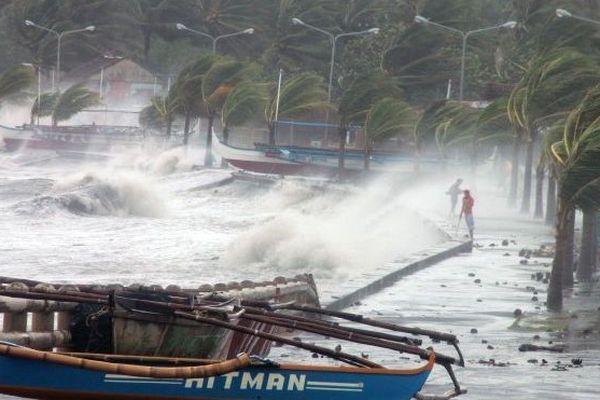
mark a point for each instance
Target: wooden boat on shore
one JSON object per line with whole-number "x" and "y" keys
{"x": 35, "y": 374}
{"x": 95, "y": 138}
{"x": 132, "y": 320}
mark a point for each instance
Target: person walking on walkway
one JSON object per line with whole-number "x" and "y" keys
{"x": 453, "y": 192}
{"x": 467, "y": 209}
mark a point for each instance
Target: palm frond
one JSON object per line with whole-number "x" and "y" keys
{"x": 72, "y": 101}
{"x": 15, "y": 81}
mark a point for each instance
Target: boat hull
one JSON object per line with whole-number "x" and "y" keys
{"x": 41, "y": 379}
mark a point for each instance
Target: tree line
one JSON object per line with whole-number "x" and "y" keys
{"x": 540, "y": 81}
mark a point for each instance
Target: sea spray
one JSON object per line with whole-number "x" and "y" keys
{"x": 332, "y": 234}
{"x": 90, "y": 193}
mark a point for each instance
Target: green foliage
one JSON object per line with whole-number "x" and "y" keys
{"x": 300, "y": 94}
{"x": 45, "y": 107}
{"x": 388, "y": 117}
{"x": 15, "y": 81}
{"x": 244, "y": 103}
{"x": 72, "y": 101}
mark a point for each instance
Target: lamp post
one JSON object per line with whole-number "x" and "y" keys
{"x": 59, "y": 36}
{"x": 333, "y": 39}
{"x": 214, "y": 39}
{"x": 39, "y": 88}
{"x": 562, "y": 13}
{"x": 465, "y": 35}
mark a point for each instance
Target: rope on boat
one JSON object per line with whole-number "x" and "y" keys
{"x": 200, "y": 371}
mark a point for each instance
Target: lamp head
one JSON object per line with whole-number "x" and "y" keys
{"x": 181, "y": 27}
{"x": 374, "y": 31}
{"x": 509, "y": 24}
{"x": 561, "y": 13}
{"x": 297, "y": 21}
{"x": 248, "y": 31}
{"x": 421, "y": 20}
{"x": 90, "y": 28}
{"x": 29, "y": 23}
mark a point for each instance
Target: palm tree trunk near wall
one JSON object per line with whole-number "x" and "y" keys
{"x": 514, "y": 172}
{"x": 551, "y": 201}
{"x": 526, "y": 201}
{"x": 569, "y": 254}
{"x": 367, "y": 156}
{"x": 539, "y": 192}
{"x": 587, "y": 255}
{"x": 208, "y": 161}
{"x": 343, "y": 132}
{"x": 224, "y": 163}
{"x": 272, "y": 134}
{"x": 554, "y": 298}
{"x": 169, "y": 127}
{"x": 186, "y": 127}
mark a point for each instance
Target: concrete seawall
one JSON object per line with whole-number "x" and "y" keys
{"x": 387, "y": 275}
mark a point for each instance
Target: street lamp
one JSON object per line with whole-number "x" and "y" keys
{"x": 214, "y": 39}
{"x": 561, "y": 13}
{"x": 59, "y": 36}
{"x": 333, "y": 39}
{"x": 39, "y": 88}
{"x": 465, "y": 35}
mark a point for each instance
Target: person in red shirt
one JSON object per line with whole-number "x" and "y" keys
{"x": 467, "y": 209}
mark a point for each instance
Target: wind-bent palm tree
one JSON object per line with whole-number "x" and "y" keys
{"x": 356, "y": 101}
{"x": 576, "y": 158}
{"x": 218, "y": 82}
{"x": 15, "y": 81}
{"x": 72, "y": 101}
{"x": 301, "y": 94}
{"x": 243, "y": 104}
{"x": 553, "y": 84}
{"x": 160, "y": 114}
{"x": 47, "y": 101}
{"x": 186, "y": 91}
{"x": 387, "y": 117}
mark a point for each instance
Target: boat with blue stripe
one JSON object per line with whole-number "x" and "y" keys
{"x": 33, "y": 374}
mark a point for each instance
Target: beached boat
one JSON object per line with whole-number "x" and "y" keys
{"x": 97, "y": 138}
{"x": 45, "y": 375}
{"x": 132, "y": 320}
{"x": 304, "y": 161}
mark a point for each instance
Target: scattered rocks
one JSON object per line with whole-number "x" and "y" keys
{"x": 490, "y": 347}
{"x": 532, "y": 361}
{"x": 506, "y": 254}
{"x": 523, "y": 262}
{"x": 576, "y": 361}
{"x": 517, "y": 313}
{"x": 559, "y": 348}
{"x": 534, "y": 298}
{"x": 315, "y": 355}
{"x": 484, "y": 341}
{"x": 477, "y": 281}
{"x": 536, "y": 337}
{"x": 474, "y": 331}
{"x": 471, "y": 274}
{"x": 492, "y": 245}
{"x": 479, "y": 300}
{"x": 338, "y": 348}
{"x": 505, "y": 242}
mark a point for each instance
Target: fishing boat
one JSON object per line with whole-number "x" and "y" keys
{"x": 306, "y": 161}
{"x": 132, "y": 320}
{"x": 52, "y": 375}
{"x": 81, "y": 138}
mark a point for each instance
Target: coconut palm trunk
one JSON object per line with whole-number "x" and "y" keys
{"x": 569, "y": 250}
{"x": 554, "y": 299}
{"x": 208, "y": 160}
{"x": 186, "y": 127}
{"x": 587, "y": 257}
{"x": 539, "y": 191}
{"x": 527, "y": 178}
{"x": 367, "y": 155}
{"x": 551, "y": 201}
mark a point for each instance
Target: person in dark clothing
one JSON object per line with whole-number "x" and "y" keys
{"x": 453, "y": 192}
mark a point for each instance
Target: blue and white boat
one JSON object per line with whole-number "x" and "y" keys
{"x": 46, "y": 375}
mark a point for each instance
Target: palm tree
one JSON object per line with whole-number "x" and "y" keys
{"x": 72, "y": 101}
{"x": 553, "y": 84}
{"x": 15, "y": 81}
{"x": 356, "y": 101}
{"x": 159, "y": 114}
{"x": 186, "y": 91}
{"x": 387, "y": 117}
{"x": 218, "y": 82}
{"x": 243, "y": 104}
{"x": 576, "y": 158}
{"x": 45, "y": 107}
{"x": 301, "y": 94}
